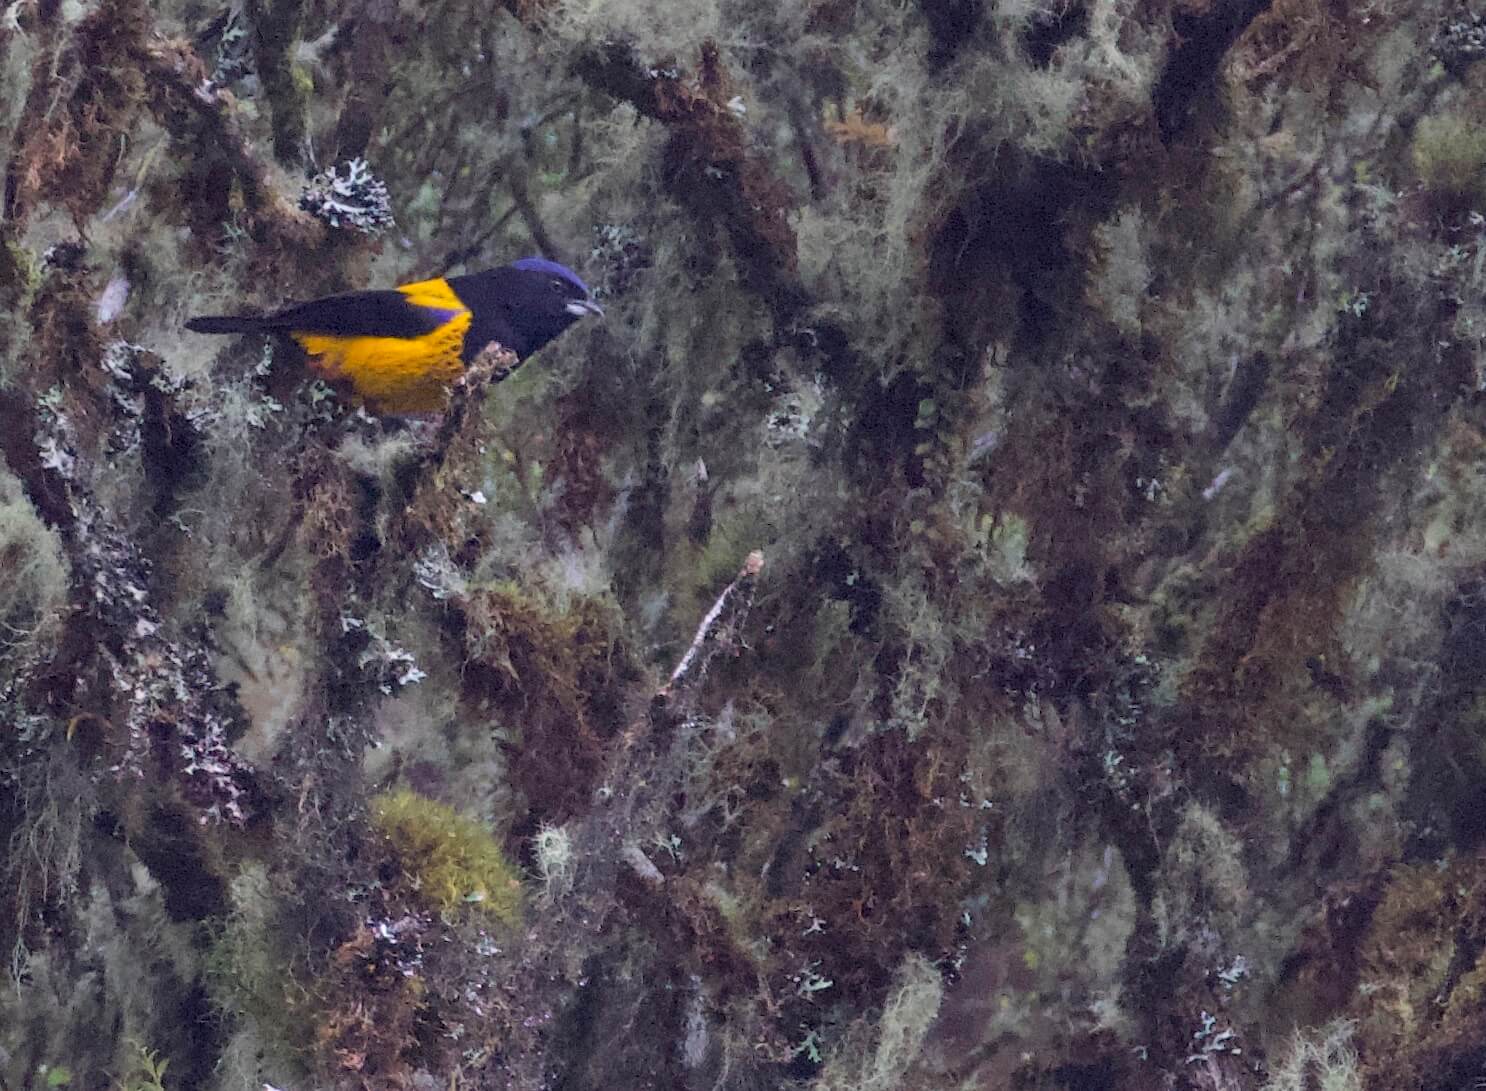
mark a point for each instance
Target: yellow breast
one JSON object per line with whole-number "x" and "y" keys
{"x": 398, "y": 374}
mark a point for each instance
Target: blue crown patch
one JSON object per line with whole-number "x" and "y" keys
{"x": 542, "y": 265}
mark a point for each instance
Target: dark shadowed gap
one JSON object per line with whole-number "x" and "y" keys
{"x": 1201, "y": 39}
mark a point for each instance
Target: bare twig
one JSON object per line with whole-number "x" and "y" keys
{"x": 642, "y": 865}
{"x": 472, "y": 249}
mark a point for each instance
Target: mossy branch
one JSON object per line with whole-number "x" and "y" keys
{"x": 432, "y": 510}
{"x": 708, "y": 164}
{"x": 202, "y": 115}
{"x": 157, "y": 695}
{"x": 275, "y": 27}
{"x": 370, "y": 61}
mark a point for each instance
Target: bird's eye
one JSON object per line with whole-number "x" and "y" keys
{"x": 559, "y": 284}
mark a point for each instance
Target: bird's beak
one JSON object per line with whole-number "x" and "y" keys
{"x": 580, "y": 307}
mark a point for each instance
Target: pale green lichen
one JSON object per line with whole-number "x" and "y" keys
{"x": 910, "y": 1011}
{"x": 34, "y": 591}
{"x": 1320, "y": 1059}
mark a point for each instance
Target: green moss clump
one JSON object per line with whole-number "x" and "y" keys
{"x": 449, "y": 859}
{"x": 1449, "y": 156}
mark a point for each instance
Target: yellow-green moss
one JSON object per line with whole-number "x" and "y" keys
{"x": 1450, "y": 157}
{"x": 449, "y": 859}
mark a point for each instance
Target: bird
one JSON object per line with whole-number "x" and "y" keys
{"x": 400, "y": 350}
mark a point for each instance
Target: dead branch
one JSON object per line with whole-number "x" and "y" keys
{"x": 719, "y": 629}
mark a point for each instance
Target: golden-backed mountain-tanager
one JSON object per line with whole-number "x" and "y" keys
{"x": 399, "y": 350}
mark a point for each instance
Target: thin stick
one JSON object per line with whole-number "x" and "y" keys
{"x": 725, "y": 618}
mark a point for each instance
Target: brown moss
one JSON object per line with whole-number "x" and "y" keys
{"x": 66, "y": 344}
{"x": 1419, "y": 1009}
{"x": 400, "y": 990}
{"x": 366, "y": 1032}
{"x": 1272, "y": 666}
{"x": 1280, "y": 608}
{"x": 76, "y": 129}
{"x": 553, "y": 676}
{"x": 1310, "y": 41}
{"x": 330, "y": 518}
{"x": 582, "y": 437}
{"x": 887, "y": 877}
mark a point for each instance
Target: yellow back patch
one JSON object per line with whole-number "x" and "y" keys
{"x": 398, "y": 374}
{"x": 432, "y": 293}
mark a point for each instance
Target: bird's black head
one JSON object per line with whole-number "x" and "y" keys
{"x": 522, "y": 305}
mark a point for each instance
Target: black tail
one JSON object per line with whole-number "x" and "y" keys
{"x": 227, "y": 323}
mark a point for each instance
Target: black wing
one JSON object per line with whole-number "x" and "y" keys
{"x": 382, "y": 313}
